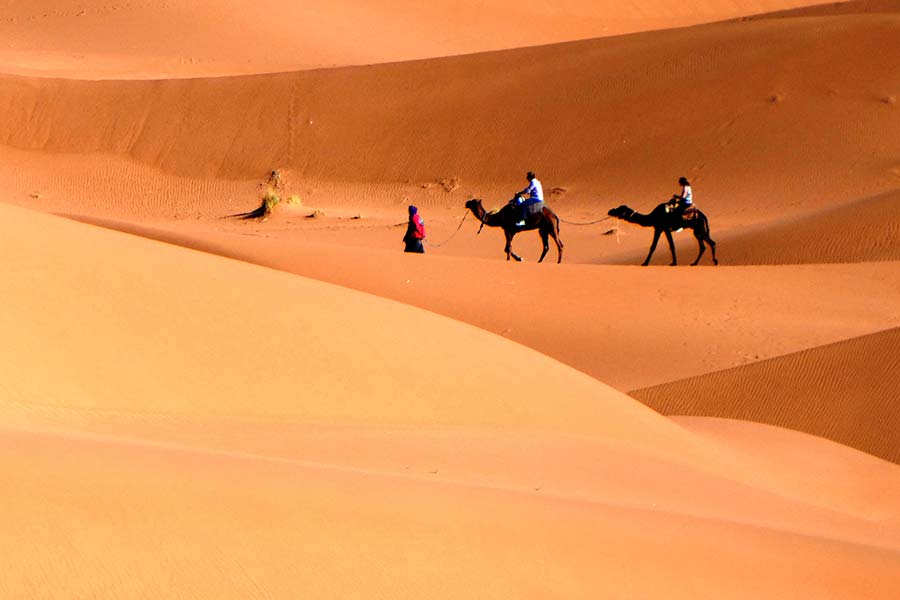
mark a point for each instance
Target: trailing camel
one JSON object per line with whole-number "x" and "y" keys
{"x": 545, "y": 221}
{"x": 665, "y": 219}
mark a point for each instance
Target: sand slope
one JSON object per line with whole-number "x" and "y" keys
{"x": 186, "y": 38}
{"x": 627, "y": 326}
{"x": 768, "y": 85}
{"x": 864, "y": 230}
{"x": 178, "y": 424}
{"x": 846, "y": 392}
{"x": 114, "y": 524}
{"x": 608, "y": 126}
{"x": 833, "y": 8}
{"x": 284, "y": 436}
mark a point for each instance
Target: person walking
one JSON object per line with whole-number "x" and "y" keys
{"x": 415, "y": 232}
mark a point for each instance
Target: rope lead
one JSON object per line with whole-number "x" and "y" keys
{"x": 452, "y": 236}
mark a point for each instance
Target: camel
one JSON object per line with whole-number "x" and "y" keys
{"x": 662, "y": 220}
{"x": 546, "y": 222}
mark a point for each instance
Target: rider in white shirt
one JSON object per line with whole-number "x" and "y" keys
{"x": 680, "y": 203}
{"x": 535, "y": 194}
{"x": 687, "y": 196}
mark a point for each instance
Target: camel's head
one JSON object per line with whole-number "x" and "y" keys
{"x": 473, "y": 204}
{"x": 620, "y": 212}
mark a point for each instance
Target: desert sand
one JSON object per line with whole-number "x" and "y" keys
{"x": 195, "y": 405}
{"x": 144, "y": 39}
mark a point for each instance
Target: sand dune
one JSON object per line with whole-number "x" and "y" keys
{"x": 263, "y": 352}
{"x": 865, "y": 230}
{"x": 629, "y": 327}
{"x": 179, "y": 424}
{"x": 87, "y": 289}
{"x": 380, "y": 154}
{"x": 610, "y": 131}
{"x": 324, "y": 450}
{"x": 846, "y": 392}
{"x": 183, "y": 38}
{"x": 192, "y": 526}
{"x": 834, "y": 8}
{"x": 797, "y": 461}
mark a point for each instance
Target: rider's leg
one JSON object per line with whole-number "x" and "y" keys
{"x": 523, "y": 213}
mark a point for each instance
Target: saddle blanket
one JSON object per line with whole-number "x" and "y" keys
{"x": 534, "y": 207}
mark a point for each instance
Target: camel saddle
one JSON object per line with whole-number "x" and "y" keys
{"x": 534, "y": 207}
{"x": 688, "y": 213}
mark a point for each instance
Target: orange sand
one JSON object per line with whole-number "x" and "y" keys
{"x": 190, "y": 407}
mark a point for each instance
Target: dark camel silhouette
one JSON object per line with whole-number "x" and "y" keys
{"x": 664, "y": 221}
{"x": 546, "y": 222}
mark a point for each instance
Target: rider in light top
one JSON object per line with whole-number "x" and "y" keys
{"x": 681, "y": 203}
{"x": 687, "y": 196}
{"x": 535, "y": 194}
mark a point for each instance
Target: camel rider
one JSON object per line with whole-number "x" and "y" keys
{"x": 687, "y": 196}
{"x": 681, "y": 202}
{"x": 535, "y": 195}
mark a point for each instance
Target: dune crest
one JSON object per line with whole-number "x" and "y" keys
{"x": 201, "y": 406}
{"x": 295, "y": 413}
{"x": 183, "y": 38}
{"x": 617, "y": 132}
{"x": 845, "y": 392}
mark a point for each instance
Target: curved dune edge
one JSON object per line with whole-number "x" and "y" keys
{"x": 206, "y": 527}
{"x": 174, "y": 424}
{"x": 146, "y": 385}
{"x": 767, "y": 86}
{"x": 625, "y": 326}
{"x": 248, "y": 334}
{"x": 865, "y": 230}
{"x": 835, "y": 9}
{"x": 795, "y": 459}
{"x": 845, "y": 392}
{"x": 58, "y": 39}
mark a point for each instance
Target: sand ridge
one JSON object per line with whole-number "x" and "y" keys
{"x": 467, "y": 117}
{"x": 182, "y": 38}
{"x": 311, "y": 524}
{"x": 190, "y": 407}
{"x": 172, "y": 442}
{"x": 845, "y": 391}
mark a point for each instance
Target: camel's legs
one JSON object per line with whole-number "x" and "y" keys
{"x": 712, "y": 246}
{"x": 699, "y": 235}
{"x": 671, "y": 248}
{"x": 559, "y": 247}
{"x": 703, "y": 235}
{"x": 544, "y": 236}
{"x": 509, "y": 252}
{"x": 656, "y": 234}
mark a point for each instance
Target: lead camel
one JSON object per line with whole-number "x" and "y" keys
{"x": 545, "y": 221}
